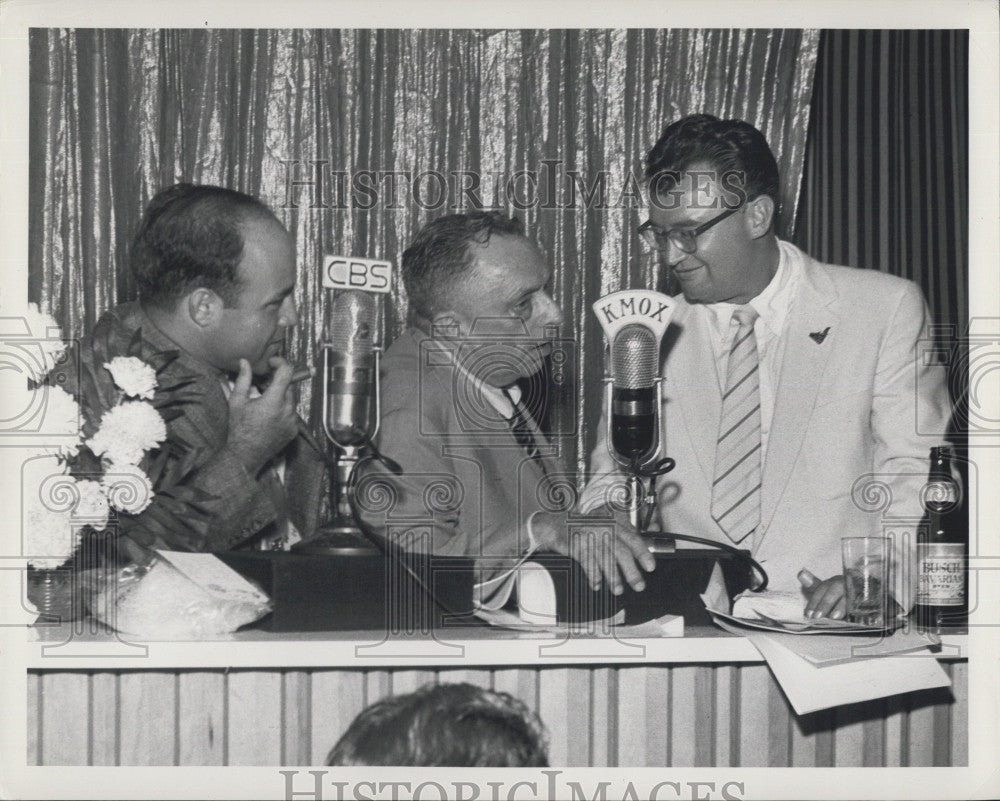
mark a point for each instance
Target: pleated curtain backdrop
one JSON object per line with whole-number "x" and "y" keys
{"x": 886, "y": 175}
{"x": 552, "y": 124}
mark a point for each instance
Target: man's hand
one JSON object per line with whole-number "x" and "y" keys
{"x": 260, "y": 427}
{"x": 826, "y": 598}
{"x": 604, "y": 555}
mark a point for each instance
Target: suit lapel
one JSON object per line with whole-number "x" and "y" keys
{"x": 691, "y": 388}
{"x": 482, "y": 428}
{"x": 803, "y": 365}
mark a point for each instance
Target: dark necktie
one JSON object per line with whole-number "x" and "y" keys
{"x": 520, "y": 427}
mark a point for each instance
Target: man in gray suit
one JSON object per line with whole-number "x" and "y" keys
{"x": 215, "y": 271}
{"x": 479, "y": 479}
{"x": 792, "y": 388}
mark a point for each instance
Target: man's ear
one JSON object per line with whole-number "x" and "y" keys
{"x": 446, "y": 325}
{"x": 759, "y": 216}
{"x": 203, "y": 306}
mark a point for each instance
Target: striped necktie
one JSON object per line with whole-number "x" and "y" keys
{"x": 736, "y": 488}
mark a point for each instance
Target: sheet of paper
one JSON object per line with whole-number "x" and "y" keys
{"x": 822, "y": 650}
{"x": 779, "y": 611}
{"x": 666, "y": 626}
{"x": 715, "y": 595}
{"x": 536, "y": 595}
{"x": 810, "y": 688}
{"x": 778, "y": 604}
{"x": 820, "y": 626}
{"x": 213, "y": 575}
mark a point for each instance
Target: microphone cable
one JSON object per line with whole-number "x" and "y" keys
{"x": 663, "y": 466}
{"x": 384, "y": 544}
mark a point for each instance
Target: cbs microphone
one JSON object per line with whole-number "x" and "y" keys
{"x": 349, "y": 363}
{"x": 634, "y": 321}
{"x": 351, "y": 359}
{"x": 351, "y": 352}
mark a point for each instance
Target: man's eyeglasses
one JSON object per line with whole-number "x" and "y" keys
{"x": 685, "y": 239}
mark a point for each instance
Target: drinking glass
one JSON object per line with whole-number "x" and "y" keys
{"x": 866, "y": 578}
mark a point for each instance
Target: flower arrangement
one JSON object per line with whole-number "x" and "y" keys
{"x": 107, "y": 450}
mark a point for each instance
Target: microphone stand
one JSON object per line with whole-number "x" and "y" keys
{"x": 342, "y": 535}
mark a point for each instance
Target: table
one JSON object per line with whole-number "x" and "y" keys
{"x": 259, "y": 698}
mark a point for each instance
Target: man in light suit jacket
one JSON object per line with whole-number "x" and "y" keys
{"x": 841, "y": 407}
{"x": 479, "y": 479}
{"x": 215, "y": 271}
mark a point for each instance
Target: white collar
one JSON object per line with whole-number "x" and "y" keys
{"x": 496, "y": 397}
{"x": 774, "y": 301}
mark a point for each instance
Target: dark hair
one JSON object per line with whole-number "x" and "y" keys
{"x": 440, "y": 253}
{"x": 734, "y": 148}
{"x": 192, "y": 236}
{"x": 447, "y": 725}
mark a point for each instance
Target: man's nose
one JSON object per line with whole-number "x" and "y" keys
{"x": 289, "y": 317}
{"x": 552, "y": 315}
{"x": 673, "y": 255}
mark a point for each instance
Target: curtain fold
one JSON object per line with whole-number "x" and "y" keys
{"x": 385, "y": 130}
{"x": 886, "y": 169}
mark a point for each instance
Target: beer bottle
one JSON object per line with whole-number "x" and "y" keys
{"x": 941, "y": 602}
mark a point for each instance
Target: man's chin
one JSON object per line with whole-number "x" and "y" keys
{"x": 501, "y": 366}
{"x": 504, "y": 378}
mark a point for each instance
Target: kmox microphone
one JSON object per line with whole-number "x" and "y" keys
{"x": 634, "y": 321}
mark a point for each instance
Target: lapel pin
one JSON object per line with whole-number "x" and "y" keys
{"x": 819, "y": 336}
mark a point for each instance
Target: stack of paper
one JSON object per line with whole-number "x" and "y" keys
{"x": 828, "y": 669}
{"x": 810, "y": 686}
{"x": 666, "y": 626}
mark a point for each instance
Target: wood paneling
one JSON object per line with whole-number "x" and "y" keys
{"x": 147, "y": 719}
{"x": 654, "y": 715}
{"x": 254, "y": 714}
{"x": 201, "y": 705}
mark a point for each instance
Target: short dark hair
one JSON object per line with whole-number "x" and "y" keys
{"x": 440, "y": 254}
{"x": 447, "y": 725}
{"x": 192, "y": 236}
{"x": 732, "y": 147}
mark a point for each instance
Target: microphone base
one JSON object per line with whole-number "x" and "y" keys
{"x": 659, "y": 543}
{"x": 340, "y": 537}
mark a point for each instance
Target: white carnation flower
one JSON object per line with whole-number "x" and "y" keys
{"x": 50, "y": 413}
{"x": 92, "y": 508}
{"x": 50, "y": 537}
{"x": 62, "y": 419}
{"x": 47, "y": 339}
{"x": 49, "y": 497}
{"x": 128, "y": 488}
{"x": 127, "y": 431}
{"x": 133, "y": 376}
